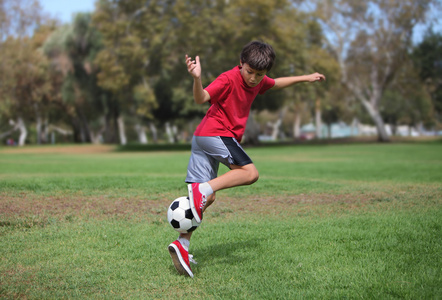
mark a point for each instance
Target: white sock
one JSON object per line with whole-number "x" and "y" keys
{"x": 206, "y": 189}
{"x": 185, "y": 243}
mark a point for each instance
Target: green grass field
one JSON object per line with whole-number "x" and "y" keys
{"x": 323, "y": 221}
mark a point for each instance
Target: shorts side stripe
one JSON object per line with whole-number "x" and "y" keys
{"x": 239, "y": 156}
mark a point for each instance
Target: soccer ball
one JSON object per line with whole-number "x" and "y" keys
{"x": 180, "y": 215}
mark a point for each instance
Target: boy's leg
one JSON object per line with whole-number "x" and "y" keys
{"x": 179, "y": 250}
{"x": 206, "y": 155}
{"x": 210, "y": 200}
{"x": 220, "y": 149}
{"x": 237, "y": 176}
{"x": 205, "y": 166}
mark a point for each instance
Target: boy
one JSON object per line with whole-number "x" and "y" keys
{"x": 217, "y": 137}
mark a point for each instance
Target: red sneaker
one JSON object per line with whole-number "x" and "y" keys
{"x": 180, "y": 258}
{"x": 197, "y": 201}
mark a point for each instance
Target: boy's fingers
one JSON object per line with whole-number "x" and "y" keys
{"x": 189, "y": 60}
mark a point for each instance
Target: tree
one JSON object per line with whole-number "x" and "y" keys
{"x": 235, "y": 23}
{"x": 406, "y": 102}
{"x": 370, "y": 39}
{"x": 145, "y": 44}
{"x": 83, "y": 42}
{"x": 23, "y": 66}
{"x": 303, "y": 52}
{"x": 134, "y": 35}
{"x": 427, "y": 57}
{"x": 72, "y": 49}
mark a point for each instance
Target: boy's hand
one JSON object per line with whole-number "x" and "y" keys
{"x": 315, "y": 77}
{"x": 194, "y": 66}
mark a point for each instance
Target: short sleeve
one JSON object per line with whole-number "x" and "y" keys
{"x": 219, "y": 88}
{"x": 267, "y": 83}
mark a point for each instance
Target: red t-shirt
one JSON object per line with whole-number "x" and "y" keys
{"x": 231, "y": 99}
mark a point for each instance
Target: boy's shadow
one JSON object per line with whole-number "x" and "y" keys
{"x": 227, "y": 253}
{"x": 232, "y": 253}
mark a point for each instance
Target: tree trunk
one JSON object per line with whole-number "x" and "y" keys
{"x": 377, "y": 119}
{"x": 121, "y": 131}
{"x": 276, "y": 129}
{"x": 9, "y": 132}
{"x": 23, "y": 132}
{"x": 154, "y": 131}
{"x": 141, "y": 133}
{"x": 169, "y": 132}
{"x": 96, "y": 138}
{"x": 45, "y": 131}
{"x": 84, "y": 127}
{"x": 318, "y": 120}
{"x": 297, "y": 125}
{"x": 38, "y": 126}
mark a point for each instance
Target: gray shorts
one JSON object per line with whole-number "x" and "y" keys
{"x": 208, "y": 152}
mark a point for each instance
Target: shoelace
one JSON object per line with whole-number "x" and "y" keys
{"x": 191, "y": 259}
{"x": 203, "y": 201}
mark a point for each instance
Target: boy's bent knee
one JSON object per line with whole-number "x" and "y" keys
{"x": 252, "y": 173}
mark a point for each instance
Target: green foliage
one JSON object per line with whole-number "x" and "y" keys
{"x": 140, "y": 43}
{"x": 125, "y": 61}
{"x": 24, "y": 78}
{"x": 427, "y": 57}
{"x": 407, "y": 101}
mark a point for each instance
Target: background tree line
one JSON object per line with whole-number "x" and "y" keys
{"x": 117, "y": 75}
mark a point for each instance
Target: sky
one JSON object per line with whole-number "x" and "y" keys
{"x": 64, "y": 10}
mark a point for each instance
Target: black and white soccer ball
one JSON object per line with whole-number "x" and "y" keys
{"x": 180, "y": 215}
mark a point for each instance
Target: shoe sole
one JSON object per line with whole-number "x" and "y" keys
{"x": 192, "y": 204}
{"x": 178, "y": 261}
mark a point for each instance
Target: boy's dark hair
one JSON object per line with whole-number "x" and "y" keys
{"x": 258, "y": 55}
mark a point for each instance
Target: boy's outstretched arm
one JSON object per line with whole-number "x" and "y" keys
{"x": 194, "y": 68}
{"x": 284, "y": 82}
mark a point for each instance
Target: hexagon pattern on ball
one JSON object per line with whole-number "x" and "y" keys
{"x": 180, "y": 216}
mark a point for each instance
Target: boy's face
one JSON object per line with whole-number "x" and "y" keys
{"x": 251, "y": 76}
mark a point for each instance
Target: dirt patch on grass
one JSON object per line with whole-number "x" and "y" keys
{"x": 30, "y": 209}
{"x": 77, "y": 206}
{"x": 299, "y": 205}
